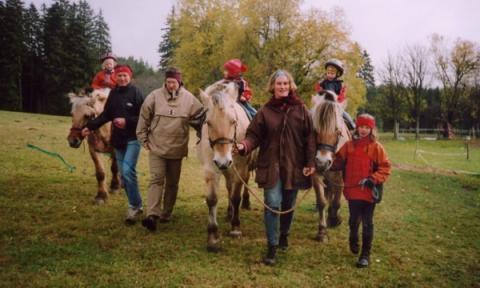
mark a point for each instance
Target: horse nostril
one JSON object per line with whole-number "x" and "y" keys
{"x": 229, "y": 162}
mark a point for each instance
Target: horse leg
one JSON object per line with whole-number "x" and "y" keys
{"x": 246, "y": 195}
{"x": 101, "y": 196}
{"x": 235, "y": 200}
{"x": 335, "y": 194}
{"x": 228, "y": 182}
{"x": 321, "y": 205}
{"x": 115, "y": 182}
{"x": 211, "y": 180}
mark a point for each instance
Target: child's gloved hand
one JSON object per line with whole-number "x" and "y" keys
{"x": 366, "y": 182}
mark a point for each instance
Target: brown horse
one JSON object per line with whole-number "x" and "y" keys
{"x": 331, "y": 135}
{"x": 88, "y": 106}
{"x": 226, "y": 122}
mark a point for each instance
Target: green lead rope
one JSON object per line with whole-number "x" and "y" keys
{"x": 70, "y": 167}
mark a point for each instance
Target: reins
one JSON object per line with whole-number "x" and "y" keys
{"x": 254, "y": 194}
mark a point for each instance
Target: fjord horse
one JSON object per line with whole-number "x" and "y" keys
{"x": 87, "y": 106}
{"x": 226, "y": 122}
{"x": 331, "y": 134}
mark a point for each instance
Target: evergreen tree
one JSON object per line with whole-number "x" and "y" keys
{"x": 11, "y": 54}
{"x": 366, "y": 70}
{"x": 55, "y": 56}
{"x": 33, "y": 100}
{"x": 101, "y": 36}
{"x": 168, "y": 44}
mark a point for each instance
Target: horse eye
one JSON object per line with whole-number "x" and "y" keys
{"x": 209, "y": 123}
{"x": 233, "y": 122}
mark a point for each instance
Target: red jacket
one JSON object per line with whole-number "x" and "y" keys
{"x": 104, "y": 80}
{"x": 363, "y": 158}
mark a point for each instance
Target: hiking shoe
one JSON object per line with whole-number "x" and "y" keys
{"x": 269, "y": 259}
{"x": 362, "y": 262}
{"x": 283, "y": 242}
{"x": 133, "y": 214}
{"x": 150, "y": 222}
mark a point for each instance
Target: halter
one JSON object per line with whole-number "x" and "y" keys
{"x": 328, "y": 147}
{"x": 224, "y": 140}
{"x": 76, "y": 132}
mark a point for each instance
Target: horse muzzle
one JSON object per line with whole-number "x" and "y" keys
{"x": 74, "y": 142}
{"x": 223, "y": 165}
{"x": 322, "y": 165}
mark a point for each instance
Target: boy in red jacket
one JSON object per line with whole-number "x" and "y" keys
{"x": 365, "y": 168}
{"x": 233, "y": 70}
{"x": 106, "y": 77}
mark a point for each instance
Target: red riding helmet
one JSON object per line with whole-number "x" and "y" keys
{"x": 234, "y": 67}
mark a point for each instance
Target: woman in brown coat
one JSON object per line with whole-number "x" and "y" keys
{"x": 283, "y": 130}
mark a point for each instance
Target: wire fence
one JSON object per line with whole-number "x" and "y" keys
{"x": 437, "y": 133}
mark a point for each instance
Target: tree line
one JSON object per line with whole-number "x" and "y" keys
{"x": 49, "y": 52}
{"x": 429, "y": 86}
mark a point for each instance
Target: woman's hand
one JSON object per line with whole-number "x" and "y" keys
{"x": 307, "y": 171}
{"x": 238, "y": 147}
{"x": 119, "y": 123}
{"x": 85, "y": 132}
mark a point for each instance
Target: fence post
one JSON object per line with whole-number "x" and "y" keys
{"x": 467, "y": 143}
{"x": 416, "y": 148}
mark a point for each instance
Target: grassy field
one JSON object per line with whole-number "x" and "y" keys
{"x": 51, "y": 235}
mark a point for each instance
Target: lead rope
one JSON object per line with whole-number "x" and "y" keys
{"x": 278, "y": 212}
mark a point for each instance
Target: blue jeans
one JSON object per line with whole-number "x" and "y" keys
{"x": 127, "y": 162}
{"x": 276, "y": 198}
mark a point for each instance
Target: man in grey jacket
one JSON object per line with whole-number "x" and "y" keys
{"x": 163, "y": 130}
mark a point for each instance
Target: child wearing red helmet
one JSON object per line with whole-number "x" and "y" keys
{"x": 365, "y": 168}
{"x": 106, "y": 77}
{"x": 333, "y": 71}
{"x": 233, "y": 70}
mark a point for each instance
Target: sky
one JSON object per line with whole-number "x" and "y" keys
{"x": 379, "y": 26}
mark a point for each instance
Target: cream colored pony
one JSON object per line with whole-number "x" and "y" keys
{"x": 331, "y": 134}
{"x": 87, "y": 106}
{"x": 226, "y": 122}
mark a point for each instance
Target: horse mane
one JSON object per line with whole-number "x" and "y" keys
{"x": 222, "y": 93}
{"x": 325, "y": 117}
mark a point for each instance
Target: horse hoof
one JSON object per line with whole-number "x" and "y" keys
{"x": 213, "y": 248}
{"x": 322, "y": 238}
{"x": 236, "y": 233}
{"x": 334, "y": 222}
{"x": 246, "y": 207}
{"x": 114, "y": 191}
{"x": 99, "y": 201}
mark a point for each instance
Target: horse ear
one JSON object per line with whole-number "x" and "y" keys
{"x": 71, "y": 96}
{"x": 204, "y": 97}
{"x": 316, "y": 99}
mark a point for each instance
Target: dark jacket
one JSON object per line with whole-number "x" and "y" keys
{"x": 122, "y": 102}
{"x": 287, "y": 145}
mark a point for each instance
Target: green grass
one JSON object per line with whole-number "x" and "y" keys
{"x": 51, "y": 235}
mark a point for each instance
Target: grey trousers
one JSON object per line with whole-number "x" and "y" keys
{"x": 164, "y": 178}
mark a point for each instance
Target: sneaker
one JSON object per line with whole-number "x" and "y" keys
{"x": 133, "y": 214}
{"x": 283, "y": 242}
{"x": 362, "y": 262}
{"x": 150, "y": 222}
{"x": 269, "y": 259}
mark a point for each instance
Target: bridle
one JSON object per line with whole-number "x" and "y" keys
{"x": 76, "y": 132}
{"x": 328, "y": 147}
{"x": 224, "y": 140}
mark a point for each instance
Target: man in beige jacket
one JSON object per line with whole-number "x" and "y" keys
{"x": 163, "y": 130}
